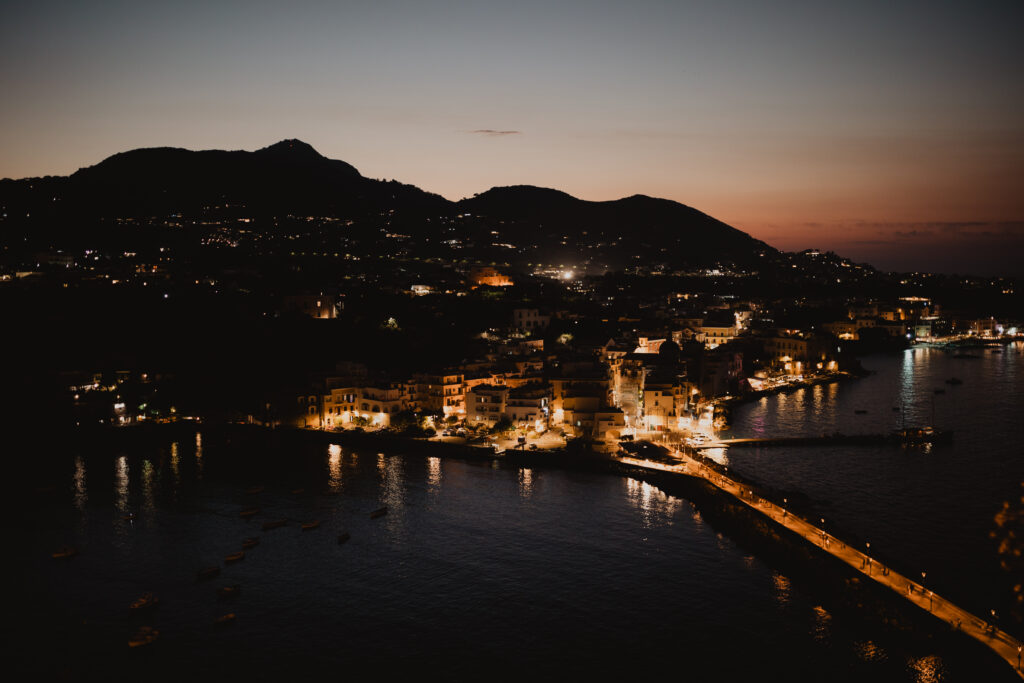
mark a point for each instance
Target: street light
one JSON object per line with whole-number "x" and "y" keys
{"x": 930, "y": 596}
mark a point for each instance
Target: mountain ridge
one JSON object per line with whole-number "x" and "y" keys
{"x": 290, "y": 177}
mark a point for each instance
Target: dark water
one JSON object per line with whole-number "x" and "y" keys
{"x": 477, "y": 572}
{"x": 930, "y": 510}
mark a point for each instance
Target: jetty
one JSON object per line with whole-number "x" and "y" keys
{"x": 1003, "y": 644}
{"x": 904, "y": 436}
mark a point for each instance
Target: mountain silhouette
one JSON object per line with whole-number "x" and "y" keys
{"x": 290, "y": 178}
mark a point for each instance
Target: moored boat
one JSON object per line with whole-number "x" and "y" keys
{"x": 250, "y": 543}
{"x": 954, "y": 380}
{"x": 229, "y": 591}
{"x": 249, "y": 512}
{"x": 379, "y": 512}
{"x": 224, "y": 619}
{"x": 65, "y": 553}
{"x": 267, "y": 526}
{"x": 253, "y": 490}
{"x": 234, "y": 557}
{"x": 311, "y": 525}
{"x": 147, "y": 601}
{"x": 144, "y": 636}
{"x": 343, "y": 537}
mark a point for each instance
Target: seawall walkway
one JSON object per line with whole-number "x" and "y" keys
{"x": 1002, "y": 643}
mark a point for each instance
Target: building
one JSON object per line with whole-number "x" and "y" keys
{"x": 485, "y": 403}
{"x": 529, "y": 320}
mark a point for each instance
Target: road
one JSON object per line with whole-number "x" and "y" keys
{"x": 1002, "y": 643}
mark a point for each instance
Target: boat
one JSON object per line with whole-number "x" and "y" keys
{"x": 229, "y": 591}
{"x": 267, "y": 526}
{"x": 343, "y": 537}
{"x": 249, "y": 512}
{"x": 224, "y": 619}
{"x": 940, "y": 391}
{"x": 296, "y": 492}
{"x": 954, "y": 381}
{"x": 65, "y": 553}
{"x": 144, "y": 636}
{"x": 253, "y": 490}
{"x": 896, "y": 409}
{"x": 860, "y": 412}
{"x": 234, "y": 557}
{"x": 250, "y": 543}
{"x": 921, "y": 435}
{"x": 379, "y": 512}
{"x": 311, "y": 525}
{"x": 207, "y": 573}
{"x": 145, "y": 602}
{"x": 965, "y": 355}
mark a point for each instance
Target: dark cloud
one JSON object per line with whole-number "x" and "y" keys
{"x": 495, "y": 133}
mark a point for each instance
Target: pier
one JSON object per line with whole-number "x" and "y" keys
{"x": 1002, "y": 643}
{"x": 906, "y": 436}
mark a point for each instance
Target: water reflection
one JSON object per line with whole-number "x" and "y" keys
{"x": 719, "y": 455}
{"x": 148, "y": 488}
{"x": 782, "y": 590}
{"x": 821, "y": 630}
{"x": 655, "y": 506}
{"x": 334, "y": 468}
{"x": 870, "y": 651}
{"x": 525, "y": 482}
{"x": 175, "y": 465}
{"x": 199, "y": 455}
{"x": 81, "y": 496}
{"x": 434, "y": 472}
{"x": 926, "y": 669}
{"x": 393, "y": 488}
{"x": 121, "y": 483}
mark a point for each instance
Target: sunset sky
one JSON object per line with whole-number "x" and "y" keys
{"x": 891, "y": 132}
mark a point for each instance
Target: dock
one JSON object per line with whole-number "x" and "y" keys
{"x": 1003, "y": 644}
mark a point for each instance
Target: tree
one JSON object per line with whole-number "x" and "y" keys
{"x": 502, "y": 425}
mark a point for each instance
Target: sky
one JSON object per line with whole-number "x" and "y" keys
{"x": 889, "y": 131}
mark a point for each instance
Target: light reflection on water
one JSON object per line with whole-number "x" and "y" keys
{"x": 434, "y": 472}
{"x": 656, "y": 507}
{"x": 781, "y": 588}
{"x": 525, "y": 482}
{"x": 928, "y": 669}
{"x": 821, "y": 629}
{"x": 121, "y": 483}
{"x": 81, "y": 496}
{"x": 199, "y": 455}
{"x": 334, "y": 468}
{"x": 148, "y": 492}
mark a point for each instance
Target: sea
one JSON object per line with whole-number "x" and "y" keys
{"x": 489, "y": 571}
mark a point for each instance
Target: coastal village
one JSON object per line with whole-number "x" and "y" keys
{"x": 668, "y": 374}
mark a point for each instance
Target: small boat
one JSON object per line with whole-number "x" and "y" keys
{"x": 895, "y": 409}
{"x": 379, "y": 512}
{"x": 297, "y": 491}
{"x": 253, "y": 490}
{"x": 954, "y": 381}
{"x": 65, "y": 553}
{"x": 250, "y": 543}
{"x": 234, "y": 557}
{"x": 207, "y": 573}
{"x": 144, "y": 636}
{"x": 249, "y": 512}
{"x": 921, "y": 435}
{"x": 860, "y": 412}
{"x": 229, "y": 591}
{"x": 311, "y": 525}
{"x": 965, "y": 355}
{"x": 267, "y": 526}
{"x": 343, "y": 537}
{"x": 145, "y": 602}
{"x": 224, "y": 619}
{"x": 940, "y": 391}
